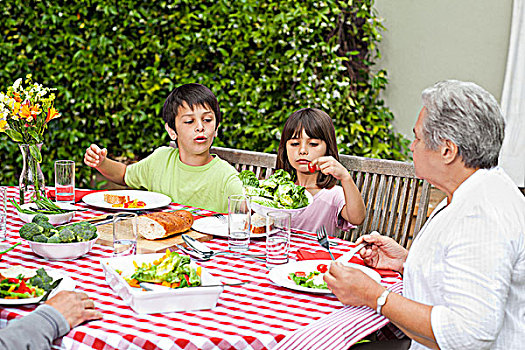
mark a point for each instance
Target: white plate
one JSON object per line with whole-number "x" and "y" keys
{"x": 66, "y": 284}
{"x": 211, "y": 225}
{"x": 184, "y": 299}
{"x": 55, "y": 219}
{"x": 152, "y": 199}
{"x": 263, "y": 210}
{"x": 279, "y": 274}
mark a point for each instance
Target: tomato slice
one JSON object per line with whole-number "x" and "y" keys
{"x": 300, "y": 274}
{"x": 311, "y": 168}
{"x": 322, "y": 268}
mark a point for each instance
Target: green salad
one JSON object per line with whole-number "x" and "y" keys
{"x": 171, "y": 270}
{"x": 313, "y": 279}
{"x": 278, "y": 191}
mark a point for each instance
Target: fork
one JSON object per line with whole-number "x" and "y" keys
{"x": 322, "y": 238}
{"x": 221, "y": 218}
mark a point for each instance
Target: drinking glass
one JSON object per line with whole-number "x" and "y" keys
{"x": 65, "y": 181}
{"x": 124, "y": 234}
{"x": 239, "y": 222}
{"x": 278, "y": 228}
{"x": 3, "y": 213}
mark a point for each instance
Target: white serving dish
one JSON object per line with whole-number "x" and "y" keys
{"x": 148, "y": 302}
{"x": 61, "y": 251}
{"x": 263, "y": 210}
{"x": 55, "y": 219}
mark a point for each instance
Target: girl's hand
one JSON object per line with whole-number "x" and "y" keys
{"x": 382, "y": 252}
{"x": 328, "y": 165}
{"x": 94, "y": 156}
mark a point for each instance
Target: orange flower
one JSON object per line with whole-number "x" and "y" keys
{"x": 35, "y": 110}
{"x": 16, "y": 96}
{"x": 25, "y": 112}
{"x": 52, "y": 113}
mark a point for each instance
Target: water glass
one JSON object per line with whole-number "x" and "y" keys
{"x": 65, "y": 181}
{"x": 3, "y": 213}
{"x": 239, "y": 222}
{"x": 124, "y": 234}
{"x": 278, "y": 229}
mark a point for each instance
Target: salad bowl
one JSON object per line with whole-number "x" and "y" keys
{"x": 259, "y": 208}
{"x": 161, "y": 299}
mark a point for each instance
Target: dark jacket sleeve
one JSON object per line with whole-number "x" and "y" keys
{"x": 36, "y": 330}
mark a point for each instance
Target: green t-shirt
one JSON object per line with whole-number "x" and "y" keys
{"x": 206, "y": 186}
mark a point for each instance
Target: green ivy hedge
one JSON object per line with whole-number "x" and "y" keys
{"x": 115, "y": 62}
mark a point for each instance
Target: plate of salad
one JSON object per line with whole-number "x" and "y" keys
{"x": 183, "y": 277}
{"x": 276, "y": 193}
{"x": 307, "y": 275}
{"x": 20, "y": 285}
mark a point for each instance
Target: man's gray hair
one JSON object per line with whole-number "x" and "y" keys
{"x": 467, "y": 115}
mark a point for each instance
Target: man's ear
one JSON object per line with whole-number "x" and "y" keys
{"x": 449, "y": 151}
{"x": 171, "y": 132}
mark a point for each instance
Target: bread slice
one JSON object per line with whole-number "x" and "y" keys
{"x": 161, "y": 225}
{"x": 115, "y": 199}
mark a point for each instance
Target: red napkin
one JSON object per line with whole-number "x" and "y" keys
{"x": 303, "y": 254}
{"x": 79, "y": 194}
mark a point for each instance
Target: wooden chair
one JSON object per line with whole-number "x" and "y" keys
{"x": 396, "y": 201}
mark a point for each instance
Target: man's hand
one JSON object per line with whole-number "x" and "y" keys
{"x": 75, "y": 307}
{"x": 352, "y": 286}
{"x": 94, "y": 156}
{"x": 382, "y": 252}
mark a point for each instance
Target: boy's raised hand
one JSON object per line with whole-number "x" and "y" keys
{"x": 328, "y": 165}
{"x": 94, "y": 156}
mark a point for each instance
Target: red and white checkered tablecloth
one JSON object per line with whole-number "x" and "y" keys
{"x": 258, "y": 315}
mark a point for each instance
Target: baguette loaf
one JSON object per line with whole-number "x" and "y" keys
{"x": 161, "y": 225}
{"x": 115, "y": 199}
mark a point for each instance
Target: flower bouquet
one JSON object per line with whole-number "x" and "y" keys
{"x": 24, "y": 114}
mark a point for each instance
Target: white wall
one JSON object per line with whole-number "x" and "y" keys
{"x": 430, "y": 40}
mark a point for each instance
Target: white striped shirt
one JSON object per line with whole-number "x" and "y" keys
{"x": 469, "y": 263}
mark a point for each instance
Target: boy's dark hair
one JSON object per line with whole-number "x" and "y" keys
{"x": 194, "y": 95}
{"x": 318, "y": 125}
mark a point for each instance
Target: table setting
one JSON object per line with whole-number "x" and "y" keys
{"x": 256, "y": 311}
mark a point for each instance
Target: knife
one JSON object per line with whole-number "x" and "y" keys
{"x": 158, "y": 288}
{"x": 196, "y": 245}
{"x": 54, "y": 285}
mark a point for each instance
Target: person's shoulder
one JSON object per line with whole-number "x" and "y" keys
{"x": 221, "y": 163}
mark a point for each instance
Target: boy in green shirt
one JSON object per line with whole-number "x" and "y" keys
{"x": 190, "y": 175}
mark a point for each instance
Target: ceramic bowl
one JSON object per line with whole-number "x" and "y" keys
{"x": 55, "y": 219}
{"x": 62, "y": 251}
{"x": 263, "y": 210}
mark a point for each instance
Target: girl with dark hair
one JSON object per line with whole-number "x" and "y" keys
{"x": 308, "y": 151}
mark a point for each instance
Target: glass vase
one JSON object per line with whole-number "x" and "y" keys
{"x": 31, "y": 181}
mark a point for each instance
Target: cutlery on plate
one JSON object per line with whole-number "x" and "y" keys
{"x": 54, "y": 285}
{"x": 322, "y": 238}
{"x": 345, "y": 258}
{"x": 221, "y": 218}
{"x": 156, "y": 287}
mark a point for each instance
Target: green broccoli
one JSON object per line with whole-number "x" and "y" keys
{"x": 41, "y": 280}
{"x": 54, "y": 239}
{"x": 39, "y": 219}
{"x": 49, "y": 229}
{"x": 66, "y": 235}
{"x": 29, "y": 230}
{"x": 39, "y": 238}
{"x": 83, "y": 231}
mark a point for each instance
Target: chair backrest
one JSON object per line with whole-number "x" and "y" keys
{"x": 262, "y": 164}
{"x": 396, "y": 201}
